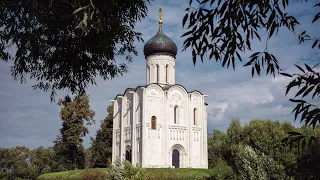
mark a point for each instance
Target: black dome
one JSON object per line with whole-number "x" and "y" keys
{"x": 160, "y": 44}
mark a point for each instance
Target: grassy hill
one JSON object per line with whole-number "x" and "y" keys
{"x": 154, "y": 173}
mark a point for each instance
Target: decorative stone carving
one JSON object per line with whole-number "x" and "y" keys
{"x": 176, "y": 96}
{"x": 154, "y": 92}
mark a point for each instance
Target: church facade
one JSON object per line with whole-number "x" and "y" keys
{"x": 160, "y": 124}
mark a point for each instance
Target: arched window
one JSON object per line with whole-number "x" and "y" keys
{"x": 195, "y": 116}
{"x": 153, "y": 122}
{"x": 157, "y": 73}
{"x": 176, "y": 114}
{"x": 148, "y": 75}
{"x": 167, "y": 73}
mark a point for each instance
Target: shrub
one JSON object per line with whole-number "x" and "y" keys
{"x": 125, "y": 170}
{"x": 223, "y": 171}
{"x": 253, "y": 164}
{"x": 93, "y": 174}
{"x": 175, "y": 174}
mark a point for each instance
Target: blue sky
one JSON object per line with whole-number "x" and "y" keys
{"x": 29, "y": 118}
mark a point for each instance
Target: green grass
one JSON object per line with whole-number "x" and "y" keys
{"x": 152, "y": 173}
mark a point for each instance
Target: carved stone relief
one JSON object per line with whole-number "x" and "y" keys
{"x": 154, "y": 92}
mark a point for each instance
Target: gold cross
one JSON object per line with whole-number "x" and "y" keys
{"x": 160, "y": 15}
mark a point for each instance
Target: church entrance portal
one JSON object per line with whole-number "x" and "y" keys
{"x": 176, "y": 158}
{"x": 128, "y": 155}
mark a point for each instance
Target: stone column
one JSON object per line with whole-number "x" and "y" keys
{"x": 122, "y": 143}
{"x": 133, "y": 128}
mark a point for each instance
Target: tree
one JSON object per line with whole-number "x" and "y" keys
{"x": 15, "y": 164}
{"x": 68, "y": 145}
{"x": 101, "y": 148}
{"x": 223, "y": 30}
{"x": 43, "y": 158}
{"x": 66, "y": 45}
{"x": 255, "y": 151}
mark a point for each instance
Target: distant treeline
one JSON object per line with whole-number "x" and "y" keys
{"x": 256, "y": 150}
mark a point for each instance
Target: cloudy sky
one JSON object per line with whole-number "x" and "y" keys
{"x": 29, "y": 118}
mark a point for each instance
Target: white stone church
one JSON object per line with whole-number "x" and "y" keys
{"x": 160, "y": 124}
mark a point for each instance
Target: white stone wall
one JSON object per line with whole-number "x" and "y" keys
{"x": 153, "y": 148}
{"x": 160, "y": 69}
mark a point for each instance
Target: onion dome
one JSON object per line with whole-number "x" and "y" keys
{"x": 160, "y": 43}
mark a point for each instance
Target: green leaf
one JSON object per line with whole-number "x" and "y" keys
{"x": 297, "y": 100}
{"x": 285, "y": 74}
{"x": 187, "y": 33}
{"x": 257, "y": 66}
{"x": 254, "y": 54}
{"x": 301, "y": 91}
{"x": 273, "y": 27}
{"x": 316, "y": 17}
{"x": 79, "y": 9}
{"x": 308, "y": 91}
{"x": 300, "y": 68}
{"x": 238, "y": 55}
{"x": 257, "y": 35}
{"x": 315, "y": 43}
{"x": 185, "y": 19}
{"x": 309, "y": 68}
{"x": 194, "y": 57}
{"x": 294, "y": 133}
{"x": 250, "y": 62}
{"x": 252, "y": 71}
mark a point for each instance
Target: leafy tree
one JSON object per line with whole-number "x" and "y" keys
{"x": 253, "y": 164}
{"x": 101, "y": 148}
{"x": 87, "y": 157}
{"x": 43, "y": 158}
{"x": 67, "y": 44}
{"x": 223, "y": 30}
{"x": 15, "y": 164}
{"x": 307, "y": 165}
{"x": 68, "y": 145}
{"x": 264, "y": 141}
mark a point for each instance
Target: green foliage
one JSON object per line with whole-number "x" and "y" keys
{"x": 307, "y": 166}
{"x": 68, "y": 147}
{"x": 222, "y": 171}
{"x": 93, "y": 174}
{"x": 307, "y": 83}
{"x": 124, "y": 171}
{"x": 253, "y": 165}
{"x": 63, "y": 47}
{"x": 101, "y": 148}
{"x": 258, "y": 144}
{"x": 64, "y": 175}
{"x": 152, "y": 173}
{"x": 15, "y": 163}
{"x": 224, "y": 30}
{"x": 43, "y": 158}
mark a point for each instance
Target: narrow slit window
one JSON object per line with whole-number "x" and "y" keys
{"x": 148, "y": 75}
{"x": 176, "y": 114}
{"x": 195, "y": 116}
{"x": 153, "y": 122}
{"x": 167, "y": 73}
{"x": 157, "y": 73}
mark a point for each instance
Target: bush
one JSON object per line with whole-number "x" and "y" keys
{"x": 223, "y": 171}
{"x": 125, "y": 170}
{"x": 253, "y": 164}
{"x": 132, "y": 173}
{"x": 93, "y": 174}
{"x": 181, "y": 173}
